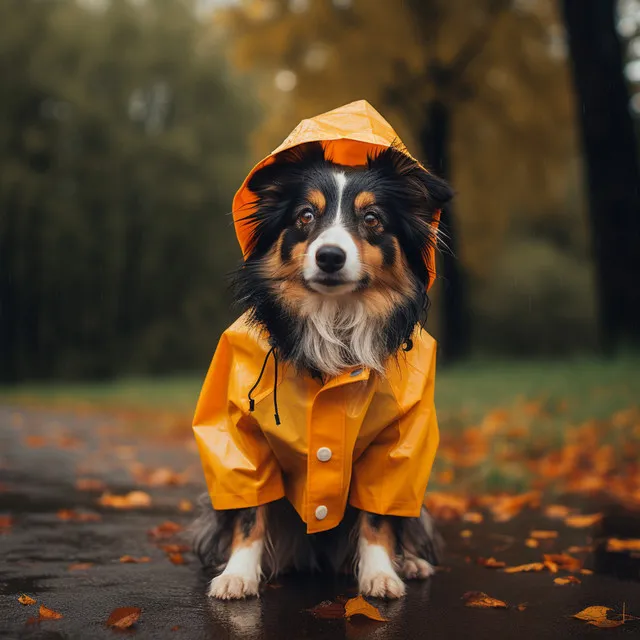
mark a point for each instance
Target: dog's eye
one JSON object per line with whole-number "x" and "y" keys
{"x": 306, "y": 216}
{"x": 371, "y": 220}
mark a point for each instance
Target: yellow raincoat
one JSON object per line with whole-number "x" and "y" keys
{"x": 360, "y": 437}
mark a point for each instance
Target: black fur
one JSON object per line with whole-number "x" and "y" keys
{"x": 290, "y": 548}
{"x": 408, "y": 196}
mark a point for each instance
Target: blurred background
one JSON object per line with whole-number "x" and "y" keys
{"x": 127, "y": 125}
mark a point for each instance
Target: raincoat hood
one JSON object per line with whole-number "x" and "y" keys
{"x": 360, "y": 438}
{"x": 349, "y": 134}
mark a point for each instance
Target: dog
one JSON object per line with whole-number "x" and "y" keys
{"x": 337, "y": 278}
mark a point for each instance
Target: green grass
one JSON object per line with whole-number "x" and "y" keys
{"x": 592, "y": 388}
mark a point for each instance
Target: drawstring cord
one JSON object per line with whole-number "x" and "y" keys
{"x": 252, "y": 403}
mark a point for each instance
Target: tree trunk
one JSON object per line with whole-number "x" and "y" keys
{"x": 612, "y": 170}
{"x": 454, "y": 334}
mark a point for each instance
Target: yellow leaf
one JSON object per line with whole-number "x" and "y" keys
{"x": 616, "y": 545}
{"x": 360, "y": 607}
{"x": 533, "y": 566}
{"x": 544, "y": 535}
{"x": 466, "y": 533}
{"x": 583, "y": 521}
{"x": 567, "y": 580}
{"x": 531, "y": 543}
{"x": 481, "y": 600}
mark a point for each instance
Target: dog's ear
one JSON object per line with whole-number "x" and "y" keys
{"x": 432, "y": 190}
{"x": 288, "y": 166}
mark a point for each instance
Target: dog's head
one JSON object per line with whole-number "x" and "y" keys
{"x": 328, "y": 236}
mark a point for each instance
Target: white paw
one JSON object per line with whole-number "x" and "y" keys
{"x": 413, "y": 568}
{"x": 382, "y": 585}
{"x": 232, "y": 587}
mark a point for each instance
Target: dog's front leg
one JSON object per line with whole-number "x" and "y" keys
{"x": 241, "y": 576}
{"x": 376, "y": 550}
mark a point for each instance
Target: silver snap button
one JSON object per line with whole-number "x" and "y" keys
{"x": 324, "y": 454}
{"x": 321, "y": 512}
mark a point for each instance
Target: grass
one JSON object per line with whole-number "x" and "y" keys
{"x": 594, "y": 388}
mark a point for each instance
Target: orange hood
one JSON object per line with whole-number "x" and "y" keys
{"x": 349, "y": 134}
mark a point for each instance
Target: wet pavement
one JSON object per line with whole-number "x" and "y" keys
{"x": 44, "y": 454}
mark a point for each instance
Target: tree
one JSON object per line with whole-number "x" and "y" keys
{"x": 612, "y": 167}
{"x": 480, "y": 90}
{"x": 121, "y": 143}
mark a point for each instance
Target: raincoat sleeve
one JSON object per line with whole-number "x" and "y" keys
{"x": 391, "y": 476}
{"x": 239, "y": 466}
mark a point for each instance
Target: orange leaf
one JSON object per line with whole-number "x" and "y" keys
{"x": 531, "y": 543}
{"x": 80, "y": 566}
{"x": 556, "y": 511}
{"x": 90, "y": 484}
{"x": 533, "y": 566}
{"x": 473, "y": 516}
{"x": 49, "y": 614}
{"x": 360, "y": 607}
{"x": 481, "y": 600}
{"x": 586, "y": 572}
{"x": 177, "y": 558}
{"x": 466, "y": 533}
{"x": 132, "y": 560}
{"x": 124, "y": 617}
{"x": 564, "y": 561}
{"x": 26, "y": 600}
{"x": 583, "y": 521}
{"x": 491, "y": 563}
{"x": 552, "y": 566}
{"x": 6, "y": 522}
{"x": 446, "y": 506}
{"x": 567, "y": 580}
{"x": 597, "y": 616}
{"x": 543, "y": 534}
{"x": 616, "y": 545}
{"x": 185, "y": 506}
{"x": 131, "y": 500}
{"x": 174, "y": 548}
{"x": 165, "y": 530}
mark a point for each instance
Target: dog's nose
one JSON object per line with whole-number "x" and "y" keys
{"x": 330, "y": 258}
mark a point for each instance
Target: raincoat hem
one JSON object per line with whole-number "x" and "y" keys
{"x": 226, "y": 501}
{"x": 404, "y": 509}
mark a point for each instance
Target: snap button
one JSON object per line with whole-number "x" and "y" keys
{"x": 321, "y": 512}
{"x": 356, "y": 372}
{"x": 324, "y": 454}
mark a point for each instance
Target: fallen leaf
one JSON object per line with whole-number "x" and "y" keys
{"x": 90, "y": 484}
{"x": 174, "y": 548}
{"x": 446, "y": 506}
{"x": 176, "y": 628}
{"x": 466, "y": 533}
{"x": 360, "y": 607}
{"x": 586, "y": 572}
{"x": 564, "y": 561}
{"x": 532, "y": 566}
{"x": 177, "y": 558}
{"x": 567, "y": 580}
{"x": 491, "y": 563}
{"x": 597, "y": 616}
{"x": 543, "y": 535}
{"x": 505, "y": 507}
{"x": 6, "y": 522}
{"x": 80, "y": 566}
{"x": 531, "y": 543}
{"x": 521, "y": 607}
{"x": 131, "y": 500}
{"x": 132, "y": 560}
{"x": 473, "y": 516}
{"x": 481, "y": 600}
{"x": 165, "y": 530}
{"x": 577, "y": 549}
{"x": 328, "y": 610}
{"x": 35, "y": 442}
{"x": 556, "y": 511}
{"x": 583, "y": 521}
{"x": 185, "y": 506}
{"x": 616, "y": 545}
{"x": 69, "y": 515}
{"x": 124, "y": 617}
{"x": 49, "y": 614}
{"x": 26, "y": 600}
{"x": 552, "y": 566}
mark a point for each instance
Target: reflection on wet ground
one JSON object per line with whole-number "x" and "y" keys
{"x": 61, "y": 546}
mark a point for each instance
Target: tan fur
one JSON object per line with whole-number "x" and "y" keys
{"x": 383, "y": 536}
{"x": 364, "y": 199}
{"x": 257, "y": 532}
{"x": 317, "y": 199}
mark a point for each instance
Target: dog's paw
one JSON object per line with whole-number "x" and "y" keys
{"x": 232, "y": 587}
{"x": 382, "y": 585}
{"x": 413, "y": 568}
